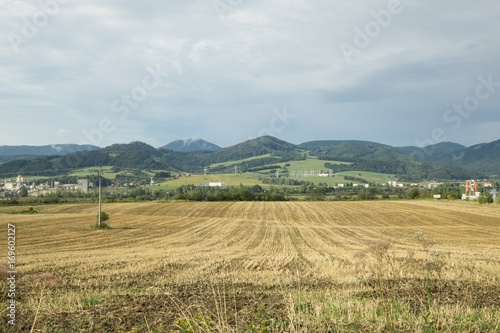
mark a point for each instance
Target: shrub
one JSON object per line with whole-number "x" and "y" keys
{"x": 104, "y": 218}
{"x": 485, "y": 198}
{"x": 51, "y": 200}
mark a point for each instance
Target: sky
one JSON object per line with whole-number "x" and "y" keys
{"x": 102, "y": 72}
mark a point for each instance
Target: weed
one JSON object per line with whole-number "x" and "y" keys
{"x": 196, "y": 324}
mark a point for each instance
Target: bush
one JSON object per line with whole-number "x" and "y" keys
{"x": 485, "y": 198}
{"x": 23, "y": 192}
{"x": 413, "y": 194}
{"x": 51, "y": 200}
{"x": 104, "y": 218}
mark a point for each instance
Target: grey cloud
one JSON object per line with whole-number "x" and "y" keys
{"x": 226, "y": 76}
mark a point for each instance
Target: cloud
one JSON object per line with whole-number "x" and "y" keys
{"x": 226, "y": 76}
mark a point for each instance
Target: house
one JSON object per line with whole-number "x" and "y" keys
{"x": 6, "y": 194}
{"x": 9, "y": 185}
{"x": 84, "y": 185}
{"x": 43, "y": 187}
{"x": 14, "y": 186}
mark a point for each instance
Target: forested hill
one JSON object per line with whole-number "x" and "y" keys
{"x": 484, "y": 157}
{"x": 352, "y": 151}
{"x": 433, "y": 152}
{"x": 277, "y": 151}
{"x": 138, "y": 155}
{"x": 441, "y": 161}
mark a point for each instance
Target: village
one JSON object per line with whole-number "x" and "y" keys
{"x": 23, "y": 187}
{"x": 470, "y": 189}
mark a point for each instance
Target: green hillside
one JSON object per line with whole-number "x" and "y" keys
{"x": 352, "y": 150}
{"x": 236, "y": 162}
{"x": 246, "y": 179}
{"x": 106, "y": 171}
{"x": 267, "y": 156}
{"x": 309, "y": 164}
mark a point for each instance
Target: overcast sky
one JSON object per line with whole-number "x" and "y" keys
{"x": 102, "y": 72}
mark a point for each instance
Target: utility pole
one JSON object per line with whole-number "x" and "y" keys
{"x": 126, "y": 183}
{"x": 205, "y": 169}
{"x": 99, "y": 216}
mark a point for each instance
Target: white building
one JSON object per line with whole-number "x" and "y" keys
{"x": 9, "y": 185}
{"x": 84, "y": 185}
{"x": 20, "y": 181}
{"x": 476, "y": 196}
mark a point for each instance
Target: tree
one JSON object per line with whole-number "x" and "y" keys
{"x": 413, "y": 194}
{"x": 318, "y": 194}
{"x": 485, "y": 197}
{"x": 23, "y": 192}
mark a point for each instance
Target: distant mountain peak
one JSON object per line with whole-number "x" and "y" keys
{"x": 191, "y": 144}
{"x": 44, "y": 150}
{"x": 11, "y": 153}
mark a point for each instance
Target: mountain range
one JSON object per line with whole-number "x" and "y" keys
{"x": 444, "y": 161}
{"x": 191, "y": 145}
{"x": 11, "y": 153}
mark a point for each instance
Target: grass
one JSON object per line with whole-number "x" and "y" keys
{"x": 85, "y": 172}
{"x": 259, "y": 267}
{"x": 339, "y": 178}
{"x": 240, "y": 161}
{"x": 371, "y": 177}
{"x": 247, "y": 179}
{"x": 310, "y": 164}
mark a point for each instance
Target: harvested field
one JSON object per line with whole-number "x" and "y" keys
{"x": 258, "y": 267}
